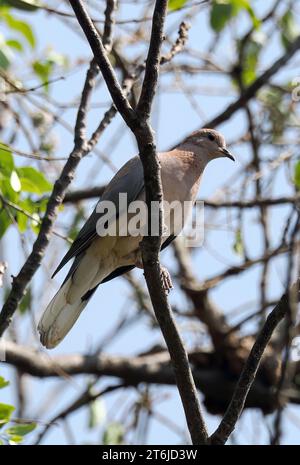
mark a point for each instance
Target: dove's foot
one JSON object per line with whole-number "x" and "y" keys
{"x": 166, "y": 279}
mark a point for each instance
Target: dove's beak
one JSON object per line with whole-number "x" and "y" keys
{"x": 227, "y": 154}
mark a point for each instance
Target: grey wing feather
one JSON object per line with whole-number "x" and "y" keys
{"x": 129, "y": 179}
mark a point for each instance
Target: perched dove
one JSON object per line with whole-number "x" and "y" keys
{"x": 99, "y": 259}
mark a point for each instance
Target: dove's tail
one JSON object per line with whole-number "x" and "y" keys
{"x": 60, "y": 316}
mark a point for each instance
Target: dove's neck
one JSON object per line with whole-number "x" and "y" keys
{"x": 181, "y": 171}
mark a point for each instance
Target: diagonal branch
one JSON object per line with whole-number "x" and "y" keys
{"x": 250, "y": 91}
{"x": 33, "y": 261}
{"x": 235, "y": 408}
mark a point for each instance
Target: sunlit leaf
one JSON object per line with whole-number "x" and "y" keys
{"x": 297, "y": 175}
{"x": 33, "y": 180}
{"x": 15, "y": 44}
{"x": 96, "y": 413}
{"x": 176, "y": 4}
{"x": 289, "y": 28}
{"x": 3, "y": 382}
{"x": 20, "y": 430}
{"x": 6, "y": 159}
{"x": 25, "y": 5}
{"x": 113, "y": 434}
{"x": 13, "y": 440}
{"x": 7, "y": 191}
{"x": 5, "y": 413}
{"x": 35, "y": 224}
{"x": 21, "y": 26}
{"x": 238, "y": 245}
{"x": 15, "y": 181}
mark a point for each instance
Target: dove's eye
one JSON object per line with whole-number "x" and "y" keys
{"x": 211, "y": 137}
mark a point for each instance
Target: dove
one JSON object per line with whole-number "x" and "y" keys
{"x": 100, "y": 258}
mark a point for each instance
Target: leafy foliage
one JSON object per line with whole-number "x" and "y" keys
{"x": 13, "y": 434}
{"x": 15, "y": 185}
{"x": 297, "y": 175}
{"x": 11, "y": 45}
{"x": 238, "y": 245}
{"x": 176, "y": 4}
{"x": 113, "y": 434}
{"x": 289, "y": 28}
{"x": 24, "y": 5}
{"x": 277, "y": 109}
{"x": 222, "y": 11}
{"x": 249, "y": 53}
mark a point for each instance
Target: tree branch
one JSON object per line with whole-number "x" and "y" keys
{"x": 33, "y": 261}
{"x": 235, "y": 408}
{"x": 150, "y": 245}
{"x": 250, "y": 91}
{"x": 116, "y": 92}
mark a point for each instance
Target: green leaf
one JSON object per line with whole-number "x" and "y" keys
{"x": 15, "y": 181}
{"x": 221, "y": 12}
{"x": 20, "y": 430}
{"x": 5, "y": 413}
{"x": 3, "y": 382}
{"x": 35, "y": 224}
{"x": 174, "y": 5}
{"x": 96, "y": 413}
{"x": 113, "y": 434}
{"x": 22, "y": 221}
{"x": 13, "y": 440}
{"x": 43, "y": 70}
{"x": 297, "y": 175}
{"x": 238, "y": 245}
{"x": 15, "y": 44}
{"x": 8, "y": 192}
{"x": 21, "y": 26}
{"x": 5, "y": 222}
{"x": 4, "y": 60}
{"x": 224, "y": 10}
{"x": 6, "y": 160}
{"x": 33, "y": 180}
{"x": 25, "y": 5}
{"x": 251, "y": 53}
{"x": 289, "y": 28}
{"x": 278, "y": 110}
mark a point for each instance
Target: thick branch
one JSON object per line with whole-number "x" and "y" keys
{"x": 211, "y": 378}
{"x": 150, "y": 246}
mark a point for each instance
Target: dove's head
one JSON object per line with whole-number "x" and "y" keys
{"x": 209, "y": 144}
